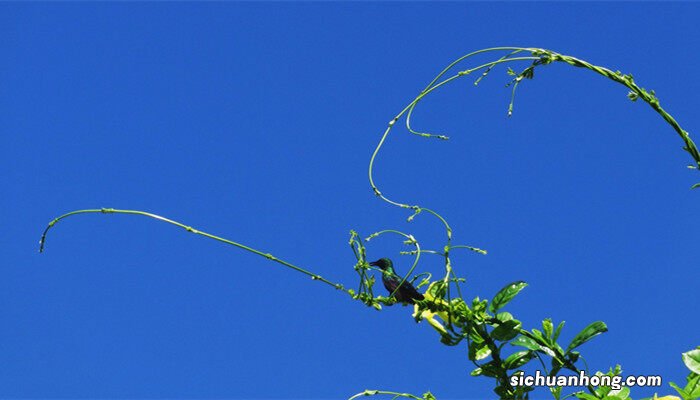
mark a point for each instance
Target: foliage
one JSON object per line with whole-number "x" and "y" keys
{"x": 692, "y": 388}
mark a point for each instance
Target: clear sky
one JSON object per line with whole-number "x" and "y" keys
{"x": 256, "y": 121}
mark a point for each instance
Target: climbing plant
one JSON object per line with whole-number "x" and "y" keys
{"x": 480, "y": 324}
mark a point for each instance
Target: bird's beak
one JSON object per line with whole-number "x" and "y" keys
{"x": 374, "y": 263}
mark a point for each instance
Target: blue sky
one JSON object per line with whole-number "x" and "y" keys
{"x": 256, "y": 121}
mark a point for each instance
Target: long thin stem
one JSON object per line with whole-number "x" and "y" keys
{"x": 396, "y": 395}
{"x": 539, "y": 57}
{"x": 638, "y": 92}
{"x": 269, "y": 256}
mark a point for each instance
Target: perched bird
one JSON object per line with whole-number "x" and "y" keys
{"x": 406, "y": 293}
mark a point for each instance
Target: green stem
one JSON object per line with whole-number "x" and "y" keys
{"x": 269, "y": 256}
{"x": 384, "y": 392}
{"x": 648, "y": 97}
{"x": 539, "y": 57}
{"x": 474, "y": 249}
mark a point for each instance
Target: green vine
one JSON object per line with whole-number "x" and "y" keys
{"x": 481, "y": 323}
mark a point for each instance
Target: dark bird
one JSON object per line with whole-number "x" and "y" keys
{"x": 406, "y": 293}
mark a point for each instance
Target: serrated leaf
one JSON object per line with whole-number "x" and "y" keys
{"x": 588, "y": 333}
{"x": 691, "y": 359}
{"x": 505, "y": 295}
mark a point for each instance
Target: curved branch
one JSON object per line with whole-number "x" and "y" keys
{"x": 269, "y": 256}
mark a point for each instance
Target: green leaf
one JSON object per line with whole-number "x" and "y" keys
{"x": 505, "y": 295}
{"x": 548, "y": 328}
{"x": 491, "y": 369}
{"x": 517, "y": 360}
{"x": 557, "y": 347}
{"x": 548, "y": 351}
{"x": 479, "y": 308}
{"x": 692, "y": 360}
{"x": 503, "y": 392}
{"x": 574, "y": 356}
{"x": 557, "y": 331}
{"x": 691, "y": 390}
{"x": 693, "y": 386}
{"x": 538, "y": 334}
{"x": 504, "y": 316}
{"x": 539, "y": 337}
{"x": 592, "y": 330}
{"x": 615, "y": 371}
{"x": 680, "y": 391}
{"x": 526, "y": 342}
{"x": 478, "y": 351}
{"x": 437, "y": 289}
{"x": 448, "y": 340}
{"x": 623, "y": 393}
{"x": 556, "y": 392}
{"x": 476, "y": 371}
{"x": 428, "y": 396}
{"x": 602, "y": 391}
{"x": 697, "y": 185}
{"x": 506, "y": 330}
{"x": 474, "y": 335}
{"x": 460, "y": 309}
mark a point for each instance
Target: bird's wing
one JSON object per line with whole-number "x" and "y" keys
{"x": 410, "y": 291}
{"x": 391, "y": 283}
